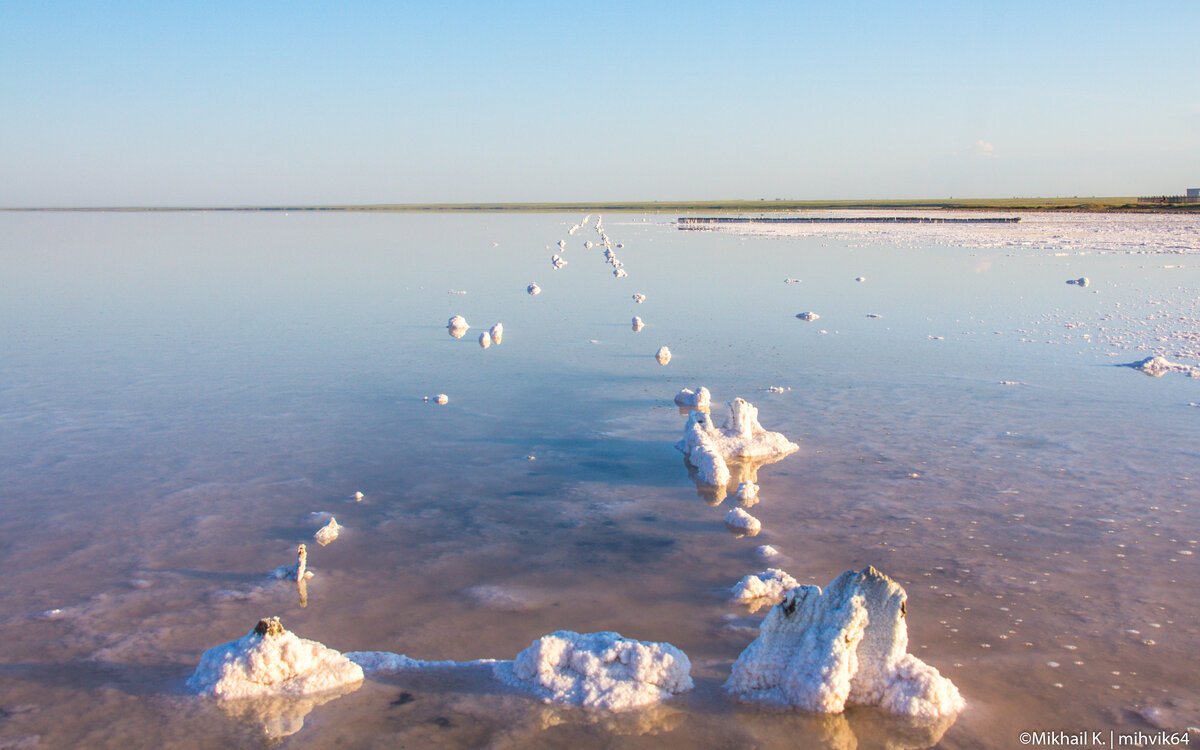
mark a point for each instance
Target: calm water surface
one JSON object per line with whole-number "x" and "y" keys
{"x": 180, "y": 392}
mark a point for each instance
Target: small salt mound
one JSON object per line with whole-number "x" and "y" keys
{"x": 620, "y": 273}
{"x": 1081, "y": 281}
{"x": 485, "y": 340}
{"x": 358, "y": 496}
{"x": 328, "y": 532}
{"x": 457, "y": 326}
{"x": 639, "y": 298}
{"x": 598, "y": 670}
{"x": 771, "y": 584}
{"x": 557, "y": 262}
{"x": 708, "y": 448}
{"x": 533, "y": 289}
{"x": 441, "y": 399}
{"x": 638, "y": 324}
{"x": 791, "y": 281}
{"x": 697, "y": 399}
{"x": 766, "y": 550}
{"x": 1158, "y": 366}
{"x": 497, "y": 333}
{"x": 846, "y": 646}
{"x": 807, "y": 316}
{"x": 861, "y": 278}
{"x": 271, "y": 661}
{"x": 747, "y": 492}
{"x": 663, "y": 356}
{"x": 742, "y": 522}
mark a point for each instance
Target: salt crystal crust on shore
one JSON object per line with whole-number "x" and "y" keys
{"x": 708, "y": 448}
{"x": 598, "y": 670}
{"x": 822, "y": 651}
{"x": 771, "y": 584}
{"x": 271, "y": 661}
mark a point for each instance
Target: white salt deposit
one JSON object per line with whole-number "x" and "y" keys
{"x": 328, "y": 532}
{"x": 598, "y": 670}
{"x": 861, "y": 278}
{"x": 766, "y": 550}
{"x": 441, "y": 399}
{"x": 768, "y": 586}
{"x": 791, "y": 281}
{"x": 747, "y": 492}
{"x": 557, "y": 261}
{"x": 807, "y": 316}
{"x": 1159, "y": 366}
{"x": 663, "y": 356}
{"x": 708, "y": 448}
{"x": 297, "y": 572}
{"x": 457, "y": 326}
{"x": 485, "y": 340}
{"x": 741, "y": 521}
{"x": 639, "y": 298}
{"x": 497, "y": 333}
{"x": 386, "y": 661}
{"x": 845, "y": 646}
{"x": 697, "y": 399}
{"x": 358, "y": 496}
{"x": 620, "y": 273}
{"x": 271, "y": 661}
{"x": 638, "y": 324}
{"x": 533, "y": 289}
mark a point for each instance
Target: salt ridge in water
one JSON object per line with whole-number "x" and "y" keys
{"x": 708, "y": 448}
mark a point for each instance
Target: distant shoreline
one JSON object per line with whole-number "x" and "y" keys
{"x": 1088, "y": 205}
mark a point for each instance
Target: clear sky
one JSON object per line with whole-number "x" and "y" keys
{"x": 235, "y": 103}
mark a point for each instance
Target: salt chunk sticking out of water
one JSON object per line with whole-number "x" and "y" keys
{"x": 533, "y": 288}
{"x": 296, "y": 572}
{"x": 328, "y": 532}
{"x": 497, "y": 333}
{"x": 702, "y": 451}
{"x": 663, "y": 356}
{"x": 598, "y": 670}
{"x": 766, "y": 550}
{"x": 767, "y": 587}
{"x": 457, "y": 326}
{"x": 1081, "y": 281}
{"x": 741, "y": 522}
{"x": 441, "y": 399}
{"x": 740, "y": 437}
{"x": 638, "y": 324}
{"x": 485, "y": 340}
{"x": 861, "y": 279}
{"x": 1159, "y": 366}
{"x": 747, "y": 492}
{"x": 358, "y": 496}
{"x": 697, "y": 399}
{"x": 807, "y": 316}
{"x": 557, "y": 261}
{"x": 822, "y": 651}
{"x": 874, "y": 315}
{"x": 639, "y": 298}
{"x": 620, "y": 273}
{"x": 791, "y": 281}
{"x": 271, "y": 661}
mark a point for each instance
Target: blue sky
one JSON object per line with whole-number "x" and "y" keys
{"x": 234, "y": 103}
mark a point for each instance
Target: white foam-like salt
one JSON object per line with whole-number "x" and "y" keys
{"x": 769, "y": 586}
{"x": 598, "y": 670}
{"x": 271, "y": 661}
{"x": 822, "y": 651}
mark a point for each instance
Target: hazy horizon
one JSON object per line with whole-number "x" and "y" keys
{"x": 137, "y": 104}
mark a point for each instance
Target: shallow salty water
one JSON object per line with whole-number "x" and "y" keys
{"x": 179, "y": 392}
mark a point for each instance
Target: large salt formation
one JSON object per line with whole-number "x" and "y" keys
{"x": 708, "y": 448}
{"x": 822, "y": 651}
{"x": 598, "y": 670}
{"x": 271, "y": 661}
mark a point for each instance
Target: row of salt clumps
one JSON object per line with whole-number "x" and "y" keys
{"x": 458, "y": 327}
{"x": 819, "y": 651}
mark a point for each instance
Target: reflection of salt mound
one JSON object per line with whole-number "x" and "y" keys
{"x": 697, "y": 399}
{"x": 707, "y": 448}
{"x": 271, "y": 661}
{"x": 277, "y": 717}
{"x": 747, "y": 493}
{"x": 822, "y": 651}
{"x": 767, "y": 586}
{"x": 598, "y": 670}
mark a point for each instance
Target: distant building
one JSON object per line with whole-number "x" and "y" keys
{"x": 1193, "y": 192}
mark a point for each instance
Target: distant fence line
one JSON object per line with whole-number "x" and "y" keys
{"x": 1169, "y": 199}
{"x": 695, "y": 222}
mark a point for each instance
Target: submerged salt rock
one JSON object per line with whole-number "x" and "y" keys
{"x": 663, "y": 356}
{"x": 533, "y": 289}
{"x": 742, "y": 522}
{"x": 698, "y": 399}
{"x": 807, "y": 316}
{"x": 598, "y": 670}
{"x": 638, "y": 324}
{"x": 771, "y": 584}
{"x": 747, "y": 492}
{"x": 271, "y": 661}
{"x": 328, "y": 532}
{"x": 485, "y": 340}
{"x": 497, "y": 333}
{"x": 822, "y": 651}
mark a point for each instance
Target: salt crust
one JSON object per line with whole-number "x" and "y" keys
{"x": 663, "y": 356}
{"x": 271, "y": 661}
{"x": 457, "y": 326}
{"x": 771, "y": 584}
{"x": 328, "y": 532}
{"x": 742, "y": 521}
{"x": 708, "y": 448}
{"x": 697, "y": 399}
{"x": 845, "y": 646}
{"x": 598, "y": 670}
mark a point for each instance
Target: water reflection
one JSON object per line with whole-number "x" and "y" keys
{"x": 740, "y": 470}
{"x": 858, "y": 728}
{"x": 276, "y": 717}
